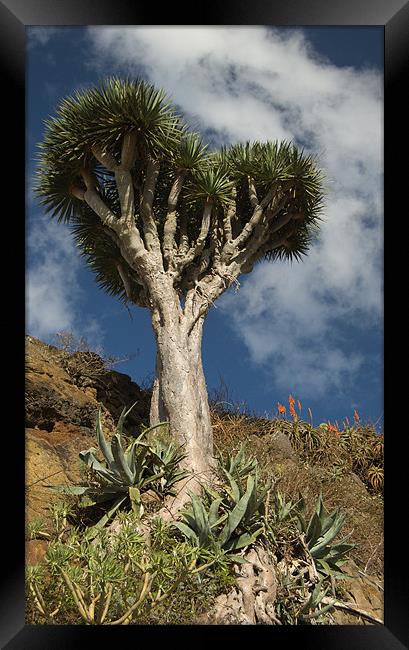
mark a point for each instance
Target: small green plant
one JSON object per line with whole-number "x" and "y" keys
{"x": 319, "y": 535}
{"x": 300, "y": 600}
{"x": 99, "y": 581}
{"x": 312, "y": 608}
{"x": 375, "y": 477}
{"x": 282, "y": 507}
{"x": 229, "y": 521}
{"x": 120, "y": 579}
{"x": 238, "y": 465}
{"x": 126, "y": 472}
{"x": 166, "y": 458}
{"x": 37, "y": 528}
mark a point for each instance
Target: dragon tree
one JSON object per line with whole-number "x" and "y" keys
{"x": 169, "y": 225}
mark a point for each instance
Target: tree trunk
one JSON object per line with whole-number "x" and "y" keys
{"x": 180, "y": 396}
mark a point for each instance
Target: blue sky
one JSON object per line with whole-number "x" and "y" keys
{"x": 312, "y": 329}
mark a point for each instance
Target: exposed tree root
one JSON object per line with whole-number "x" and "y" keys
{"x": 252, "y": 601}
{"x": 354, "y": 610}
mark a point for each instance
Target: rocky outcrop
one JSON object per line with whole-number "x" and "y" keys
{"x": 59, "y": 391}
{"x": 51, "y": 460}
{"x": 363, "y": 595}
{"x": 61, "y": 409}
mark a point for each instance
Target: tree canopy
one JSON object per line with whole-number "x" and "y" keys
{"x": 202, "y": 208}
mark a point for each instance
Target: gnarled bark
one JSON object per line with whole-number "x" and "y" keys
{"x": 180, "y": 396}
{"x": 252, "y": 601}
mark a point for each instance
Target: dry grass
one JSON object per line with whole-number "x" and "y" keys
{"x": 327, "y": 469}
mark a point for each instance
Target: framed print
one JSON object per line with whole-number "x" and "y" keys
{"x": 331, "y": 79}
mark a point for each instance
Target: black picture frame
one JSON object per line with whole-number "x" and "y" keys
{"x": 15, "y": 15}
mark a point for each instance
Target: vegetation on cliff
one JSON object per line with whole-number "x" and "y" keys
{"x": 289, "y": 533}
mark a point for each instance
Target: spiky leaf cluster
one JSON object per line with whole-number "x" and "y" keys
{"x": 320, "y": 533}
{"x": 125, "y": 472}
{"x": 101, "y": 116}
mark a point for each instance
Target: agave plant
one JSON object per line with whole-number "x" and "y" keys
{"x": 282, "y": 508}
{"x": 228, "y": 527}
{"x": 320, "y": 532}
{"x": 238, "y": 465}
{"x": 312, "y": 607}
{"x": 166, "y": 458}
{"x": 126, "y": 472}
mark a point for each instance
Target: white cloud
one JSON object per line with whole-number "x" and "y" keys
{"x": 259, "y": 83}
{"x": 52, "y": 288}
{"x": 52, "y": 285}
{"x": 40, "y": 35}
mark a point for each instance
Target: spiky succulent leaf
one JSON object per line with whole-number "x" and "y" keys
{"x": 187, "y": 531}
{"x": 236, "y": 515}
{"x": 214, "y": 512}
{"x": 122, "y": 466}
{"x": 104, "y": 446}
{"x": 314, "y": 529}
{"x": 201, "y": 517}
{"x": 209, "y": 182}
{"x": 93, "y": 530}
{"x": 107, "y": 475}
{"x": 124, "y": 414}
{"x": 189, "y": 152}
{"x": 245, "y": 539}
{"x": 329, "y": 536}
{"x": 234, "y": 489}
{"x": 76, "y": 490}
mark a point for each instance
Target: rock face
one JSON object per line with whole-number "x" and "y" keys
{"x": 61, "y": 410}
{"x": 364, "y": 594}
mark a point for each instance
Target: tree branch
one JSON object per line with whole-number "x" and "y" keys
{"x": 171, "y": 221}
{"x": 229, "y": 213}
{"x": 125, "y": 280}
{"x": 149, "y": 225}
{"x": 105, "y": 158}
{"x": 128, "y": 151}
{"x": 350, "y": 608}
{"x": 257, "y": 213}
{"x": 78, "y": 192}
{"x": 128, "y": 238}
{"x": 92, "y": 198}
{"x": 126, "y": 195}
{"x": 198, "y": 246}
{"x": 280, "y": 222}
{"x": 253, "y": 193}
{"x": 183, "y": 237}
{"x": 246, "y": 266}
{"x": 123, "y": 177}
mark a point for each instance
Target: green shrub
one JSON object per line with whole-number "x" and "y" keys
{"x": 319, "y": 535}
{"x": 126, "y": 472}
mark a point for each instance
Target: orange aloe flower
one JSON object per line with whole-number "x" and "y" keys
{"x": 291, "y": 402}
{"x": 281, "y": 409}
{"x": 299, "y": 406}
{"x": 332, "y": 427}
{"x": 356, "y": 416}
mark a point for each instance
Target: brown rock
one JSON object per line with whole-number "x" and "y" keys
{"x": 61, "y": 410}
{"x": 364, "y": 593}
{"x": 49, "y": 463}
{"x": 280, "y": 446}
